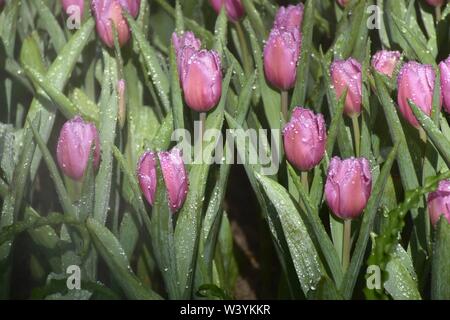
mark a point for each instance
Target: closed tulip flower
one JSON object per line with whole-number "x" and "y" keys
{"x": 201, "y": 78}
{"x": 174, "y": 175}
{"x": 185, "y": 46}
{"x": 289, "y": 17}
{"x": 68, "y": 6}
{"x": 343, "y": 3}
{"x": 108, "y": 12}
{"x": 439, "y": 202}
{"x": 435, "y": 3}
{"x": 346, "y": 74}
{"x": 385, "y": 61}
{"x": 187, "y": 39}
{"x": 305, "y": 137}
{"x": 281, "y": 55}
{"x": 74, "y": 147}
{"x": 348, "y": 186}
{"x": 132, "y": 6}
{"x": 416, "y": 83}
{"x": 444, "y": 67}
{"x": 234, "y": 8}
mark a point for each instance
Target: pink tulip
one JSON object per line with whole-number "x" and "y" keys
{"x": 201, "y": 78}
{"x": 415, "y": 82}
{"x": 439, "y": 202}
{"x": 436, "y": 3}
{"x": 281, "y": 55}
{"x": 74, "y": 146}
{"x": 132, "y": 6}
{"x": 343, "y": 3}
{"x": 289, "y": 17}
{"x": 305, "y": 138}
{"x": 107, "y": 12}
{"x": 187, "y": 39}
{"x": 348, "y": 186}
{"x": 234, "y": 8}
{"x": 174, "y": 175}
{"x": 444, "y": 67}
{"x": 68, "y": 6}
{"x": 346, "y": 74}
{"x": 385, "y": 61}
{"x": 185, "y": 46}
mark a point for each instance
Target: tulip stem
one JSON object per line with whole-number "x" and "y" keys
{"x": 357, "y": 135}
{"x": 244, "y": 48}
{"x": 424, "y": 138}
{"x": 284, "y": 104}
{"x": 438, "y": 14}
{"x": 202, "y": 125}
{"x": 346, "y": 244}
{"x": 305, "y": 183}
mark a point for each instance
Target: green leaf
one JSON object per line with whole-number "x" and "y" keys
{"x": 159, "y": 78}
{"x": 441, "y": 143}
{"x": 326, "y": 290}
{"x": 320, "y": 234}
{"x": 301, "y": 248}
{"x": 115, "y": 258}
{"x": 271, "y": 98}
{"x": 220, "y": 32}
{"x": 255, "y": 19}
{"x": 107, "y": 133}
{"x": 177, "y": 99}
{"x": 414, "y": 42}
{"x": 299, "y": 94}
{"x": 404, "y": 159}
{"x": 67, "y": 108}
{"x": 401, "y": 283}
{"x": 51, "y": 25}
{"x": 440, "y": 274}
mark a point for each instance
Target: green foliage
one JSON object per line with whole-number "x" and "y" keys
{"x": 103, "y": 223}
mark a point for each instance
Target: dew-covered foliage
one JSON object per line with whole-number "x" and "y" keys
{"x": 266, "y": 149}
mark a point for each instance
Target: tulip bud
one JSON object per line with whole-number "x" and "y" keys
{"x": 74, "y": 147}
{"x": 348, "y": 186}
{"x": 435, "y": 3}
{"x": 385, "y": 61}
{"x": 343, "y": 3}
{"x": 234, "y": 8}
{"x": 289, "y": 17}
{"x": 439, "y": 202}
{"x": 132, "y": 6}
{"x": 444, "y": 68}
{"x": 107, "y": 12}
{"x": 346, "y": 74}
{"x": 69, "y": 5}
{"x": 305, "y": 137}
{"x": 187, "y": 39}
{"x": 281, "y": 55}
{"x": 415, "y": 82}
{"x": 185, "y": 46}
{"x": 174, "y": 174}
{"x": 201, "y": 78}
